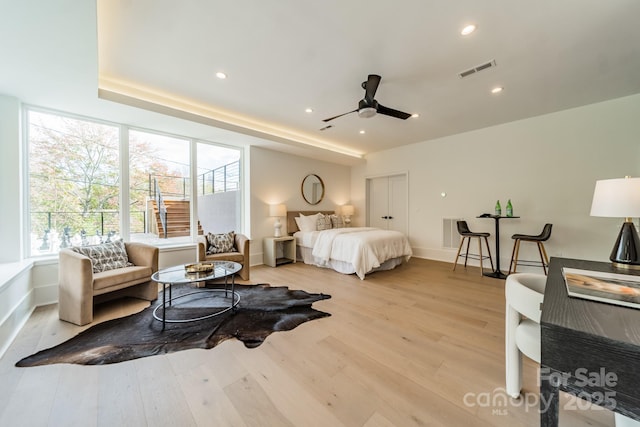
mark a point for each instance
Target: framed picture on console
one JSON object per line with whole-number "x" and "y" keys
{"x": 611, "y": 288}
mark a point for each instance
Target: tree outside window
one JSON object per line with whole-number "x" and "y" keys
{"x": 73, "y": 182}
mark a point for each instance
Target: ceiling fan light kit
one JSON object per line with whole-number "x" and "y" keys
{"x": 367, "y": 112}
{"x": 368, "y": 106}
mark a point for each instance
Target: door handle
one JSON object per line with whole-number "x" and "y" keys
{"x": 384, "y": 217}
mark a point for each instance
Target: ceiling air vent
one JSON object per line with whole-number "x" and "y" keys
{"x": 477, "y": 69}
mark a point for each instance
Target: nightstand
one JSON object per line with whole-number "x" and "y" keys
{"x": 273, "y": 246}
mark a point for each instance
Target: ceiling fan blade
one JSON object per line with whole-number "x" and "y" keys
{"x": 371, "y": 86}
{"x": 339, "y": 115}
{"x": 393, "y": 113}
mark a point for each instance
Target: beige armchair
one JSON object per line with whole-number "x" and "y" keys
{"x": 80, "y": 288}
{"x": 240, "y": 253}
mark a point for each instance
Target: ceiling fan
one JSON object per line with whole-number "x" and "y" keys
{"x": 368, "y": 106}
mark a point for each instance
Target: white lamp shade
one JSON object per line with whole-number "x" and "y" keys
{"x": 348, "y": 210}
{"x": 277, "y": 210}
{"x": 618, "y": 198}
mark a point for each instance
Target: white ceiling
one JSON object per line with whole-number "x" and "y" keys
{"x": 284, "y": 56}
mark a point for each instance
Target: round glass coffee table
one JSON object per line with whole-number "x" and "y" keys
{"x": 178, "y": 275}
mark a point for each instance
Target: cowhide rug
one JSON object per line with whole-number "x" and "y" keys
{"x": 262, "y": 310}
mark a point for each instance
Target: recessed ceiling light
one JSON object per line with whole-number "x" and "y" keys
{"x": 415, "y": 115}
{"x": 308, "y": 110}
{"x": 221, "y": 75}
{"x": 468, "y": 30}
{"x": 362, "y": 132}
{"x": 497, "y": 89}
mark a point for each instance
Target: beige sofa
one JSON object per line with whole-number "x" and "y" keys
{"x": 80, "y": 288}
{"x": 239, "y": 255}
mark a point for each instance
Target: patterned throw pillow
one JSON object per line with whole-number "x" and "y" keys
{"x": 106, "y": 256}
{"x": 337, "y": 221}
{"x": 220, "y": 243}
{"x": 323, "y": 222}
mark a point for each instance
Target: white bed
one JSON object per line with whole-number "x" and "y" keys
{"x": 359, "y": 250}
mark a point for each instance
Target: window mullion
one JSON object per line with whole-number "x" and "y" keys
{"x": 193, "y": 173}
{"x": 125, "y": 219}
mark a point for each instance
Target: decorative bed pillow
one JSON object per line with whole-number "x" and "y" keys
{"x": 323, "y": 222}
{"x": 220, "y": 243}
{"x": 106, "y": 256}
{"x": 337, "y": 221}
{"x": 307, "y": 223}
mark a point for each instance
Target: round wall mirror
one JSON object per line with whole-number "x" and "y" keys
{"x": 312, "y": 189}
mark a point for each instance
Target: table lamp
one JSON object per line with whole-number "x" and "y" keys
{"x": 347, "y": 211}
{"x": 277, "y": 211}
{"x": 620, "y": 198}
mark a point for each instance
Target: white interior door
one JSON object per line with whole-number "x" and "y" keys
{"x": 398, "y": 203}
{"x": 378, "y": 202}
{"x": 387, "y": 202}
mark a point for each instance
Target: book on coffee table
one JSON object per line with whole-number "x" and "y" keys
{"x": 611, "y": 288}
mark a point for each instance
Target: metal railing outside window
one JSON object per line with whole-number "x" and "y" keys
{"x": 221, "y": 179}
{"x": 61, "y": 229}
{"x": 218, "y": 180}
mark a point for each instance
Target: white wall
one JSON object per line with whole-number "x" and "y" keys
{"x": 16, "y": 289}
{"x": 546, "y": 165}
{"x": 277, "y": 178}
{"x": 219, "y": 212}
{"x": 10, "y": 220}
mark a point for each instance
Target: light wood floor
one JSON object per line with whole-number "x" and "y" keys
{"x": 420, "y": 345}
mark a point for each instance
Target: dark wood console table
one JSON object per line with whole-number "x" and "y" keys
{"x": 589, "y": 349}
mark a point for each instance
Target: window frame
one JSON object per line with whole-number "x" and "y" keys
{"x": 124, "y": 175}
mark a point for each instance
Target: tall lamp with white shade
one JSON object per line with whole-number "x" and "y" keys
{"x": 277, "y": 211}
{"x": 620, "y": 198}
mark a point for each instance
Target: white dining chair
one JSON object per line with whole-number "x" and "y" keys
{"x": 524, "y": 293}
{"x": 622, "y": 421}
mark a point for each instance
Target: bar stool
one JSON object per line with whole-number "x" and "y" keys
{"x": 463, "y": 230}
{"x": 538, "y": 239}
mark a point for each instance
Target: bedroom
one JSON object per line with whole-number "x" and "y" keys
{"x": 546, "y": 165}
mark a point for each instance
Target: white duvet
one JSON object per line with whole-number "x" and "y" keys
{"x": 365, "y": 248}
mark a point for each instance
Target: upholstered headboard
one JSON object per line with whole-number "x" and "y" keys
{"x": 292, "y": 227}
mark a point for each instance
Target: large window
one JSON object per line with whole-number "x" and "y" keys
{"x": 75, "y": 184}
{"x": 160, "y": 189}
{"x": 218, "y": 188}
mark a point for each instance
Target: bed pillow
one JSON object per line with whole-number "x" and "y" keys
{"x": 220, "y": 243}
{"x": 307, "y": 223}
{"x": 323, "y": 222}
{"x": 337, "y": 221}
{"x": 106, "y": 256}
